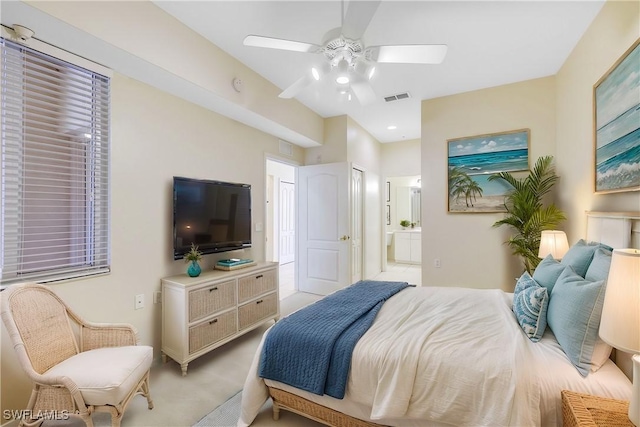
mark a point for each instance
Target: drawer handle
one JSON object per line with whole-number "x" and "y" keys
{"x": 259, "y": 301}
{"x": 213, "y": 289}
{"x": 213, "y": 321}
{"x": 260, "y": 276}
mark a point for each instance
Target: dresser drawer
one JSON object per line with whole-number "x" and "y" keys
{"x": 254, "y": 311}
{"x": 257, "y": 284}
{"x": 212, "y": 330}
{"x": 206, "y": 301}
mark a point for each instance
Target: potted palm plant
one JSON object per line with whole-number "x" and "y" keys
{"x": 527, "y": 213}
{"x": 193, "y": 256}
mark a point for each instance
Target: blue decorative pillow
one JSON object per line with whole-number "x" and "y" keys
{"x": 573, "y": 315}
{"x": 579, "y": 256}
{"x": 547, "y": 272}
{"x": 530, "y": 302}
{"x": 599, "y": 267}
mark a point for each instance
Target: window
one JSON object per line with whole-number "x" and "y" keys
{"x": 54, "y": 166}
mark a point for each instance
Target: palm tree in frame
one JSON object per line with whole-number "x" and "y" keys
{"x": 461, "y": 184}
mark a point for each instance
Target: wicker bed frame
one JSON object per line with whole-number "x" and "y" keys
{"x": 322, "y": 414}
{"x": 301, "y": 406}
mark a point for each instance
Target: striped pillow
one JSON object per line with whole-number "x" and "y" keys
{"x": 530, "y": 302}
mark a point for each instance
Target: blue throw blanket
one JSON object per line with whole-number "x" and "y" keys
{"x": 311, "y": 348}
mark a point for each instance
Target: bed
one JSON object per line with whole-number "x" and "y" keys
{"x": 431, "y": 357}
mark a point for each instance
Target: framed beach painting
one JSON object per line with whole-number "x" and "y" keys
{"x": 472, "y": 159}
{"x": 616, "y": 109}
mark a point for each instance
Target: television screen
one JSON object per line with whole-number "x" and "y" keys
{"x": 214, "y": 215}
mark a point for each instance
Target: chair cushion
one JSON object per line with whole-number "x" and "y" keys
{"x": 105, "y": 376}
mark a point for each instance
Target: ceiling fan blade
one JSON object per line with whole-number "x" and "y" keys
{"x": 358, "y": 17}
{"x": 363, "y": 91}
{"x": 273, "y": 43}
{"x": 296, "y": 87}
{"x": 409, "y": 53}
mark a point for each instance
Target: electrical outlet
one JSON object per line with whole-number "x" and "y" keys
{"x": 139, "y": 301}
{"x": 436, "y": 263}
{"x": 157, "y": 297}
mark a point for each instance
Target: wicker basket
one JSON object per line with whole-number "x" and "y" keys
{"x": 583, "y": 410}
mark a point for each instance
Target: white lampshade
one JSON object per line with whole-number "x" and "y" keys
{"x": 553, "y": 242}
{"x": 620, "y": 321}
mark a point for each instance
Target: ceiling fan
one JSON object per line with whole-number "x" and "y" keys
{"x": 348, "y": 59}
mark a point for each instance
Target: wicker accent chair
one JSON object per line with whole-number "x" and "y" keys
{"x": 76, "y": 367}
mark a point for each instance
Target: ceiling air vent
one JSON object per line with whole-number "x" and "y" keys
{"x": 397, "y": 97}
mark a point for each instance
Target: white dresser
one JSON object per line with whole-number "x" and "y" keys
{"x": 202, "y": 313}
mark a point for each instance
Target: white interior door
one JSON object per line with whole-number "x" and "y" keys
{"x": 324, "y": 249}
{"x": 357, "y": 201}
{"x": 287, "y": 222}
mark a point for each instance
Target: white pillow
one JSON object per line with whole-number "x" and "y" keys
{"x": 601, "y": 352}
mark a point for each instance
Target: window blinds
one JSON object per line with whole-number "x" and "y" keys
{"x": 54, "y": 209}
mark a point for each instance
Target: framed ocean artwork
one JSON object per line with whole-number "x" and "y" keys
{"x": 471, "y": 160}
{"x": 616, "y": 110}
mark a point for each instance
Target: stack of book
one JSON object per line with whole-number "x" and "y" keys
{"x": 234, "y": 263}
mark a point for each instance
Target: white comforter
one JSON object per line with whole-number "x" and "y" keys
{"x": 449, "y": 355}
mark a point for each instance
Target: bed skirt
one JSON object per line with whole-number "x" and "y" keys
{"x": 306, "y": 408}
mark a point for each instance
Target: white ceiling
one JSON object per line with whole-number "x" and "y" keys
{"x": 491, "y": 43}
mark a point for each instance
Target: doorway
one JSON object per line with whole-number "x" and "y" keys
{"x": 280, "y": 245}
{"x": 402, "y": 253}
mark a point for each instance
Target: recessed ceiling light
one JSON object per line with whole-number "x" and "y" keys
{"x": 343, "y": 80}
{"x": 316, "y": 74}
{"x": 392, "y": 127}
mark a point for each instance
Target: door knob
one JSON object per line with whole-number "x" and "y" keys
{"x": 345, "y": 237}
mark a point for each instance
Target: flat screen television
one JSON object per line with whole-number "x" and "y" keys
{"x": 214, "y": 215}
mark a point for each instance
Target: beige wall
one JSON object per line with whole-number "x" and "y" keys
{"x": 401, "y": 158}
{"x": 191, "y": 142}
{"x": 613, "y": 31}
{"x": 466, "y": 243}
{"x": 364, "y": 151}
{"x": 334, "y": 146}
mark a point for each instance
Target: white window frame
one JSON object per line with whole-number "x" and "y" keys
{"x": 10, "y": 254}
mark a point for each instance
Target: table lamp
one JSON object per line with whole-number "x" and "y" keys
{"x": 620, "y": 322}
{"x": 553, "y": 242}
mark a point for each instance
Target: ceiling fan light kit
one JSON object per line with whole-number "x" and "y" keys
{"x": 354, "y": 64}
{"x": 343, "y": 72}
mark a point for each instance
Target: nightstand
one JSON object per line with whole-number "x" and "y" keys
{"x": 583, "y": 410}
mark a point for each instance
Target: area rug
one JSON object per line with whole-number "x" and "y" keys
{"x": 225, "y": 415}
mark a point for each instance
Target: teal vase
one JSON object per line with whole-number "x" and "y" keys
{"x": 194, "y": 269}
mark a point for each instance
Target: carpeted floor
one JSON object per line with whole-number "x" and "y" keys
{"x": 225, "y": 415}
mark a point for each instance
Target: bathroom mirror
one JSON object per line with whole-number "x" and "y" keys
{"x": 415, "y": 205}
{"x": 405, "y": 203}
